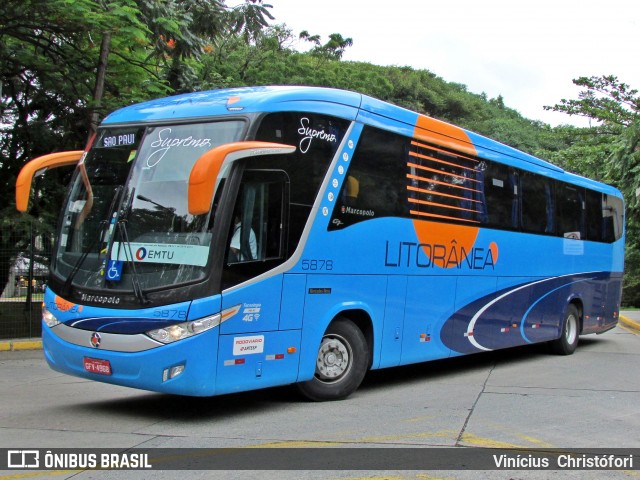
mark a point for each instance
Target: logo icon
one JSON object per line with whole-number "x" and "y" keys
{"x": 23, "y": 459}
{"x": 141, "y": 253}
{"x": 95, "y": 340}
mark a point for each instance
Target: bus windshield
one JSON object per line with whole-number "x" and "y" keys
{"x": 126, "y": 224}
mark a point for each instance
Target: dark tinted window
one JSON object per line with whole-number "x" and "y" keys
{"x": 569, "y": 206}
{"x": 375, "y": 185}
{"x": 317, "y": 138}
{"x": 500, "y": 192}
{"x": 444, "y": 185}
{"x": 537, "y": 203}
{"x": 594, "y": 219}
{"x": 392, "y": 175}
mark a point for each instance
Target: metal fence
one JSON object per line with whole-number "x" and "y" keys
{"x": 21, "y": 297}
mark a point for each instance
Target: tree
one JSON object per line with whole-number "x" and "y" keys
{"x": 49, "y": 56}
{"x": 197, "y": 26}
{"x": 332, "y": 50}
{"x": 611, "y": 153}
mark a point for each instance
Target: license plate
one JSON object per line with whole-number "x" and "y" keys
{"x": 95, "y": 365}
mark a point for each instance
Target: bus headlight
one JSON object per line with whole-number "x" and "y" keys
{"x": 184, "y": 330}
{"x": 49, "y": 318}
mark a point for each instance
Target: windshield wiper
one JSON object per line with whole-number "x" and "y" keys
{"x": 135, "y": 279}
{"x": 121, "y": 226}
{"x": 170, "y": 210}
{"x": 66, "y": 288}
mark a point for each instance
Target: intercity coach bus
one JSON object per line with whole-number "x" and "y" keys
{"x": 238, "y": 239}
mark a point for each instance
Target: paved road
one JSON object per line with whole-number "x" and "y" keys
{"x": 517, "y": 398}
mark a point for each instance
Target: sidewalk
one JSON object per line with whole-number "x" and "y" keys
{"x": 631, "y": 320}
{"x": 20, "y": 344}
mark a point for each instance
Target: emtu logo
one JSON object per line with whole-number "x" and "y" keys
{"x": 141, "y": 253}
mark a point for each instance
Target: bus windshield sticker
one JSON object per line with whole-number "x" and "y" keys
{"x": 310, "y": 133}
{"x": 118, "y": 140}
{"x": 165, "y": 141}
{"x": 114, "y": 270}
{"x": 171, "y": 253}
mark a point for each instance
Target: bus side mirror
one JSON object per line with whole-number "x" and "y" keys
{"x": 31, "y": 169}
{"x": 203, "y": 176}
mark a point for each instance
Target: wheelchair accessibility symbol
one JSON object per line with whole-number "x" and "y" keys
{"x": 114, "y": 270}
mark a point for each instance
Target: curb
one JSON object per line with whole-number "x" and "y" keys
{"x": 630, "y": 324}
{"x": 16, "y": 345}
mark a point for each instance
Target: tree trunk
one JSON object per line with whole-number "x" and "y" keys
{"x": 98, "y": 91}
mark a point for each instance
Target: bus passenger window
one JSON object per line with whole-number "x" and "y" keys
{"x": 570, "y": 211}
{"x": 375, "y": 184}
{"x": 613, "y": 218}
{"x": 536, "y": 203}
{"x": 500, "y": 193}
{"x": 595, "y": 225}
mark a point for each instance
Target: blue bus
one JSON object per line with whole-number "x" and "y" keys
{"x": 237, "y": 239}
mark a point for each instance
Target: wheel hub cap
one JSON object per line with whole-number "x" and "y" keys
{"x": 333, "y": 359}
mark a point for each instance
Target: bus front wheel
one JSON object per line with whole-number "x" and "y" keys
{"x": 341, "y": 363}
{"x": 568, "y": 341}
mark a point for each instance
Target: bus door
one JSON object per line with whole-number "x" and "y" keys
{"x": 253, "y": 351}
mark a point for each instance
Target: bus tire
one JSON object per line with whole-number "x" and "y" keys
{"x": 341, "y": 363}
{"x": 568, "y": 341}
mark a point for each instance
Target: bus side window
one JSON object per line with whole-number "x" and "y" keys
{"x": 594, "y": 213}
{"x": 536, "y": 203}
{"x": 257, "y": 239}
{"x": 500, "y": 192}
{"x": 612, "y": 218}
{"x": 570, "y": 211}
{"x": 375, "y": 184}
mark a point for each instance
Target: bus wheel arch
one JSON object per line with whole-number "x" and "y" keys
{"x": 570, "y": 329}
{"x": 343, "y": 358}
{"x": 363, "y": 321}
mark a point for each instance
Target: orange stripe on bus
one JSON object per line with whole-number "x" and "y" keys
{"x": 441, "y": 205}
{"x": 435, "y": 192}
{"x": 431, "y": 147}
{"x": 433, "y": 215}
{"x": 429, "y": 180}
{"x": 444, "y": 134}
{"x": 440, "y": 172}
{"x": 439, "y": 233}
{"x": 434, "y": 159}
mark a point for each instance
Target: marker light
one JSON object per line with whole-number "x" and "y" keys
{"x": 173, "y": 372}
{"x": 49, "y": 318}
{"x": 179, "y": 331}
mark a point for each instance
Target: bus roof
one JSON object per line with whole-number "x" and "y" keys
{"x": 225, "y": 101}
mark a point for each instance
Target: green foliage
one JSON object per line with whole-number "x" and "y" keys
{"x": 610, "y": 152}
{"x": 332, "y": 50}
{"x": 605, "y": 99}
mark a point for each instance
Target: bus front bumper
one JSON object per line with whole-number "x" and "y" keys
{"x": 186, "y": 367}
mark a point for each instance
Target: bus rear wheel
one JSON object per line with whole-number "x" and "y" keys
{"x": 568, "y": 341}
{"x": 341, "y": 363}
